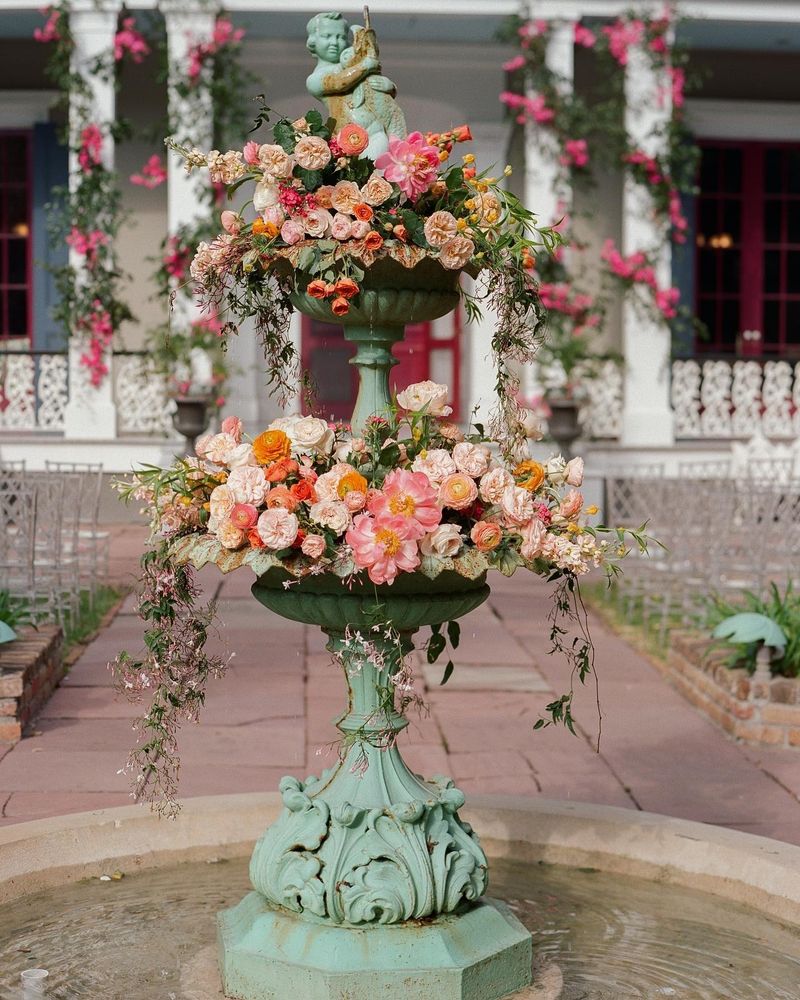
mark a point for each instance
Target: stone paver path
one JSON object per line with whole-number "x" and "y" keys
{"x": 272, "y": 715}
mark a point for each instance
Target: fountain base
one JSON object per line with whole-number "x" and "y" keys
{"x": 268, "y": 953}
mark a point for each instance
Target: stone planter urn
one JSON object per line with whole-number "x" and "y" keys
{"x": 369, "y": 884}
{"x": 563, "y": 424}
{"x": 191, "y": 418}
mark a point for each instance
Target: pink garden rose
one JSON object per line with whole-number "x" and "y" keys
{"x": 313, "y": 546}
{"x": 571, "y": 505}
{"x": 231, "y": 222}
{"x": 410, "y": 163}
{"x": 317, "y": 222}
{"x": 232, "y": 426}
{"x": 383, "y": 546}
{"x": 250, "y": 153}
{"x": 472, "y": 459}
{"x": 408, "y": 495}
{"x": 436, "y": 464}
{"x": 277, "y": 528}
{"x": 248, "y": 484}
{"x": 517, "y": 506}
{"x": 533, "y": 534}
{"x": 341, "y": 227}
{"x": 573, "y": 473}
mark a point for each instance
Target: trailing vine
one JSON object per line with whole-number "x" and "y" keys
{"x": 88, "y": 214}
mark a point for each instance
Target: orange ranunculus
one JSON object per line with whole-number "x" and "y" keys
{"x": 317, "y": 289}
{"x": 400, "y": 233}
{"x": 530, "y": 475}
{"x": 280, "y": 470}
{"x": 279, "y": 496}
{"x": 262, "y": 228}
{"x": 373, "y": 240}
{"x": 462, "y": 133}
{"x": 271, "y": 446}
{"x": 363, "y": 211}
{"x": 353, "y": 139}
{"x": 346, "y": 287}
{"x": 351, "y": 481}
{"x": 340, "y": 306}
{"x": 304, "y": 490}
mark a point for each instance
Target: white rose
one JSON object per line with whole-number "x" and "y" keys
{"x": 429, "y": 395}
{"x": 444, "y": 540}
{"x": 531, "y": 424}
{"x": 331, "y": 514}
{"x": 472, "y": 459}
{"x": 555, "y": 469}
{"x": 310, "y": 435}
{"x": 229, "y": 536}
{"x": 265, "y": 195}
{"x": 494, "y": 484}
{"x": 312, "y": 152}
{"x": 219, "y": 448}
{"x": 277, "y": 528}
{"x": 221, "y": 502}
{"x": 573, "y": 473}
{"x": 517, "y": 506}
{"x": 437, "y": 465}
{"x": 248, "y": 485}
{"x": 241, "y": 455}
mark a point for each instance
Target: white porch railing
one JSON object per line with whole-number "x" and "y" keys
{"x": 34, "y": 389}
{"x": 736, "y": 399}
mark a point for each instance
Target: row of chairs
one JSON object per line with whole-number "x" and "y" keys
{"x": 51, "y": 548}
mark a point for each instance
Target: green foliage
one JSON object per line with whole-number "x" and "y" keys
{"x": 14, "y": 611}
{"x": 782, "y": 606}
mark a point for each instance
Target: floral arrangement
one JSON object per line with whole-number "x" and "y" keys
{"x": 321, "y": 214}
{"x": 414, "y": 493}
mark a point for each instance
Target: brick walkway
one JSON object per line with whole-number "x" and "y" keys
{"x": 271, "y": 715}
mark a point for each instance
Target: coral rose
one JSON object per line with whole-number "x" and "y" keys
{"x": 313, "y": 546}
{"x": 353, "y": 139}
{"x": 363, "y": 211}
{"x": 271, "y": 446}
{"x": 346, "y": 287}
{"x": 280, "y": 496}
{"x": 439, "y": 228}
{"x": 530, "y": 475}
{"x": 376, "y": 190}
{"x": 486, "y": 535}
{"x": 373, "y": 240}
{"x": 277, "y": 528}
{"x": 317, "y": 289}
{"x": 312, "y": 152}
{"x": 303, "y": 491}
{"x": 255, "y": 539}
{"x": 458, "y": 491}
{"x": 456, "y": 253}
{"x": 340, "y": 306}
{"x": 280, "y": 470}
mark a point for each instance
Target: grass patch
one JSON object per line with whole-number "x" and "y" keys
{"x": 91, "y": 618}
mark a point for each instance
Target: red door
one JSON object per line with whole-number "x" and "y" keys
{"x": 326, "y": 355}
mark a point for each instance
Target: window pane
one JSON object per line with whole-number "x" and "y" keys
{"x": 732, "y": 171}
{"x": 17, "y": 313}
{"x": 17, "y": 262}
{"x": 793, "y": 170}
{"x": 772, "y": 271}
{"x": 792, "y": 323}
{"x": 793, "y": 272}
{"x": 708, "y": 271}
{"x": 707, "y": 314}
{"x": 772, "y": 221}
{"x": 731, "y": 270}
{"x": 16, "y": 158}
{"x": 773, "y": 162}
{"x": 707, "y": 223}
{"x": 732, "y": 218}
{"x": 793, "y": 221}
{"x": 16, "y": 213}
{"x": 709, "y": 170}
{"x": 770, "y": 331}
{"x": 730, "y": 324}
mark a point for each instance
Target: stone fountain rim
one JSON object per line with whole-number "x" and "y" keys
{"x": 53, "y": 852}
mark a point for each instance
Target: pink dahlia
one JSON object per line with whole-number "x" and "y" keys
{"x": 410, "y": 496}
{"x": 410, "y": 163}
{"x": 384, "y": 546}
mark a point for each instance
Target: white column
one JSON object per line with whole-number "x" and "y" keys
{"x": 647, "y": 417}
{"x": 91, "y": 411}
{"x": 547, "y": 191}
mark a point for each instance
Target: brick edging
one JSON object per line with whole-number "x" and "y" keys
{"x": 31, "y": 667}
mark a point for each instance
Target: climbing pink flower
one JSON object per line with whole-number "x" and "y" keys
{"x": 91, "y": 148}
{"x": 411, "y": 496}
{"x": 128, "y": 39}
{"x": 667, "y": 301}
{"x": 410, "y": 163}
{"x": 575, "y": 153}
{"x": 153, "y": 173}
{"x": 621, "y": 36}
{"x": 49, "y": 33}
{"x": 584, "y": 37}
{"x": 516, "y": 63}
{"x": 384, "y": 546}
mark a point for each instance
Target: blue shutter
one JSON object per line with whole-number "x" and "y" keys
{"x": 50, "y": 169}
{"x": 683, "y": 278}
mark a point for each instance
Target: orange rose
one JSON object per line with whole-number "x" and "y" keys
{"x": 530, "y": 475}
{"x": 255, "y": 539}
{"x": 373, "y": 240}
{"x": 279, "y": 496}
{"x": 317, "y": 289}
{"x": 346, "y": 287}
{"x": 271, "y": 446}
{"x": 303, "y": 491}
{"x": 350, "y": 482}
{"x": 462, "y": 133}
{"x": 353, "y": 139}
{"x": 400, "y": 233}
{"x": 340, "y": 306}
{"x": 279, "y": 470}
{"x": 363, "y": 211}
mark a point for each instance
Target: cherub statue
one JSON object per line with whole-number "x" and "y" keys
{"x": 348, "y": 79}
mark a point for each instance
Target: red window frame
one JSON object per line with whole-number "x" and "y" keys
{"x": 753, "y": 333}
{"x": 8, "y": 236}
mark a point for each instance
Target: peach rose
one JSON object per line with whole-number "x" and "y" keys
{"x": 373, "y": 240}
{"x": 486, "y": 535}
{"x": 345, "y": 196}
{"x": 221, "y": 502}
{"x": 472, "y": 459}
{"x": 439, "y": 228}
{"x": 346, "y": 287}
{"x": 317, "y": 289}
{"x": 340, "y": 306}
{"x": 317, "y": 222}
{"x": 494, "y": 484}
{"x": 533, "y": 537}
{"x": 322, "y": 195}
{"x": 312, "y": 152}
{"x": 437, "y": 464}
{"x": 218, "y": 448}
{"x": 233, "y": 426}
{"x": 458, "y": 491}
{"x": 331, "y": 514}
{"x": 573, "y": 473}
{"x": 376, "y": 190}
{"x": 517, "y": 506}
{"x": 456, "y": 253}
{"x": 277, "y": 528}
{"x": 280, "y": 496}
{"x": 313, "y": 546}
{"x": 355, "y": 500}
{"x": 274, "y": 160}
{"x": 571, "y": 505}
{"x": 229, "y": 536}
{"x": 247, "y": 484}
{"x": 428, "y": 396}
{"x": 444, "y": 540}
